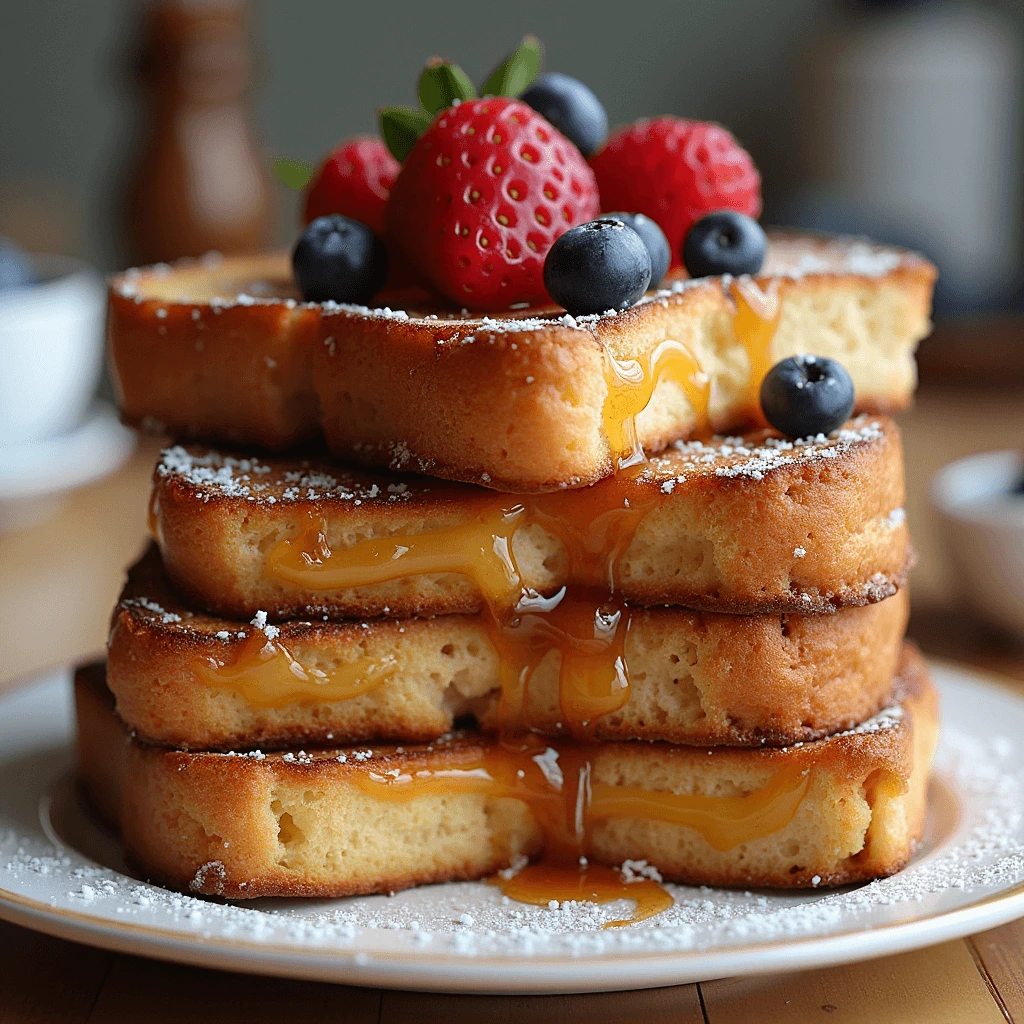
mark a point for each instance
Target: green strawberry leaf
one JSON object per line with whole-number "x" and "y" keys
{"x": 293, "y": 174}
{"x": 441, "y": 84}
{"x": 518, "y": 72}
{"x": 400, "y": 127}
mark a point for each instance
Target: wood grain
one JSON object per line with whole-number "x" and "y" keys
{"x": 152, "y": 992}
{"x": 1000, "y": 957}
{"x": 679, "y": 1005}
{"x": 941, "y": 985}
{"x": 46, "y": 981}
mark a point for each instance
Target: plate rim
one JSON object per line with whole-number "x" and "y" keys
{"x": 540, "y": 973}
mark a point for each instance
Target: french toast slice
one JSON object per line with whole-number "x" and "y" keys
{"x": 218, "y": 348}
{"x": 521, "y": 401}
{"x": 752, "y": 525}
{"x": 361, "y": 820}
{"x": 191, "y": 680}
{"x": 538, "y": 404}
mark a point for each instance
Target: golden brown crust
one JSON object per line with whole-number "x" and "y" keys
{"x": 514, "y": 403}
{"x": 696, "y": 678}
{"x": 299, "y": 824}
{"x": 522, "y": 409}
{"x": 750, "y": 525}
{"x": 101, "y": 744}
{"x": 242, "y": 373}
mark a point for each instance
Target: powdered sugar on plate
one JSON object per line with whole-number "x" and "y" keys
{"x": 974, "y": 849}
{"x": 474, "y": 920}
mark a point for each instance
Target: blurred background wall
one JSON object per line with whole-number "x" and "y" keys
{"x": 69, "y": 114}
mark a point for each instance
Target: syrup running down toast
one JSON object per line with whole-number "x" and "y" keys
{"x": 379, "y": 818}
{"x": 187, "y": 679}
{"x": 753, "y": 524}
{"x": 529, "y": 402}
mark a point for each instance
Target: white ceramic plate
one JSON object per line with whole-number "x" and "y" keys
{"x": 61, "y": 873}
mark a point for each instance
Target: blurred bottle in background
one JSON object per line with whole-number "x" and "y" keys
{"x": 910, "y": 133}
{"x": 199, "y": 183}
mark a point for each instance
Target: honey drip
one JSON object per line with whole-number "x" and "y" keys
{"x": 631, "y": 386}
{"x": 595, "y": 525}
{"x": 480, "y": 549}
{"x": 756, "y": 318}
{"x": 723, "y": 821}
{"x": 588, "y": 629}
{"x": 266, "y": 675}
{"x": 584, "y": 622}
{"x": 539, "y": 884}
{"x": 556, "y": 784}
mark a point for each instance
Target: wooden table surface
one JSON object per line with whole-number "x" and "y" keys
{"x": 58, "y": 582}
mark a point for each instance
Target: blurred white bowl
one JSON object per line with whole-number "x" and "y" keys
{"x": 51, "y": 350}
{"x": 983, "y": 528}
{"x": 36, "y": 475}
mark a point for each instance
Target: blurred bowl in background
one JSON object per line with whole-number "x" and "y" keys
{"x": 36, "y": 476}
{"x": 982, "y": 523}
{"x": 51, "y": 349}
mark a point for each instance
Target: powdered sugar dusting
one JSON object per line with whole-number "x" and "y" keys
{"x": 165, "y": 616}
{"x": 754, "y": 456}
{"x": 790, "y": 256}
{"x": 269, "y": 481}
{"x": 214, "y": 474}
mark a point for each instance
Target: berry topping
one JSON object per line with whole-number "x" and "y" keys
{"x": 481, "y": 197}
{"x": 675, "y": 172}
{"x": 724, "y": 243}
{"x": 653, "y": 237}
{"x": 339, "y": 260}
{"x": 16, "y": 270}
{"x": 807, "y": 395}
{"x": 598, "y": 266}
{"x": 355, "y": 181}
{"x": 572, "y": 108}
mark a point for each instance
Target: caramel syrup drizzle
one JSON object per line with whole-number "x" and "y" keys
{"x": 585, "y": 623}
{"x": 756, "y": 318}
{"x": 557, "y": 783}
{"x": 267, "y": 674}
{"x": 631, "y": 387}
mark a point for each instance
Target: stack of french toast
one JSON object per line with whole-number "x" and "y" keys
{"x": 539, "y": 595}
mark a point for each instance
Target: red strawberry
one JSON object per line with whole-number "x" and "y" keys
{"x": 482, "y": 196}
{"x": 355, "y": 181}
{"x": 675, "y": 172}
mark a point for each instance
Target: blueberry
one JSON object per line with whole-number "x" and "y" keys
{"x": 655, "y": 240}
{"x": 339, "y": 259}
{"x": 807, "y": 395}
{"x": 725, "y": 242}
{"x": 16, "y": 270}
{"x": 596, "y": 267}
{"x": 571, "y": 107}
